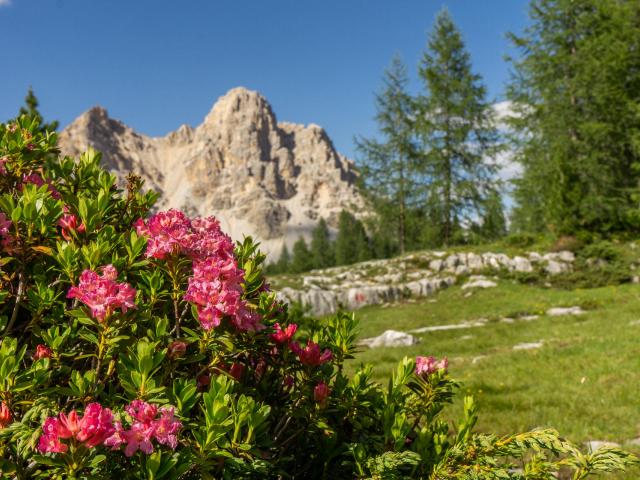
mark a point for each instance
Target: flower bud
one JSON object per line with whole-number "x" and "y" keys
{"x": 177, "y": 349}
{"x": 321, "y": 393}
{"x": 42, "y": 351}
{"x": 5, "y": 415}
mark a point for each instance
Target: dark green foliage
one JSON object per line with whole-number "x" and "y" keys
{"x": 301, "y": 260}
{"x": 388, "y": 166}
{"x": 576, "y": 90}
{"x": 458, "y": 138}
{"x": 30, "y": 109}
{"x": 352, "y": 243}
{"x": 322, "y": 254}
{"x": 284, "y": 262}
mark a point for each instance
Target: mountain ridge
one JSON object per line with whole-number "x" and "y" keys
{"x": 272, "y": 180}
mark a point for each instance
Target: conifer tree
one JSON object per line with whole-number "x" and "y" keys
{"x": 352, "y": 243}
{"x": 321, "y": 247}
{"x": 387, "y": 165}
{"x": 576, "y": 90}
{"x": 30, "y": 109}
{"x": 301, "y": 260}
{"x": 493, "y": 224}
{"x": 283, "y": 264}
{"x": 456, "y": 129}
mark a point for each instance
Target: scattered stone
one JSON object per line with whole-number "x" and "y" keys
{"x": 468, "y": 294}
{"x": 481, "y": 322}
{"x": 390, "y": 338}
{"x": 479, "y": 284}
{"x": 555, "y": 268}
{"x": 529, "y": 346}
{"x": 507, "y": 320}
{"x": 466, "y": 337}
{"x": 593, "y": 445}
{"x": 633, "y": 323}
{"x": 476, "y": 359}
{"x": 635, "y": 441}
{"x": 566, "y": 256}
{"x": 560, "y": 311}
{"x": 635, "y": 279}
{"x": 528, "y": 318}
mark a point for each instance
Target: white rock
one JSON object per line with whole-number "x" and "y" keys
{"x": 559, "y": 311}
{"x": 528, "y": 318}
{"x": 521, "y": 264}
{"x": 529, "y": 346}
{"x": 481, "y": 322}
{"x": 479, "y": 284}
{"x": 390, "y": 338}
{"x": 554, "y": 268}
{"x": 566, "y": 256}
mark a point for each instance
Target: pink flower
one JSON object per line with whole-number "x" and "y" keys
{"x": 215, "y": 287}
{"x": 138, "y": 438}
{"x": 5, "y": 415}
{"x": 168, "y": 233}
{"x": 36, "y": 179}
{"x": 69, "y": 224}
{"x": 3, "y": 161}
{"x": 49, "y": 440}
{"x": 102, "y": 294}
{"x": 167, "y": 427}
{"x": 145, "y": 427}
{"x": 6, "y": 240}
{"x": 177, "y": 349}
{"x": 91, "y": 430}
{"x": 426, "y": 366}
{"x": 42, "y": 351}
{"x": 284, "y": 336}
{"x": 142, "y": 411}
{"x": 321, "y": 393}
{"x": 310, "y": 355}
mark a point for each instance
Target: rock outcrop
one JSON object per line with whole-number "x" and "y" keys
{"x": 416, "y": 275}
{"x": 271, "y": 180}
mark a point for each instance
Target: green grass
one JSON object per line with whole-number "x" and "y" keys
{"x": 583, "y": 381}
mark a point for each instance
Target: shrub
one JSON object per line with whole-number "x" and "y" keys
{"x": 520, "y": 240}
{"x": 138, "y": 346}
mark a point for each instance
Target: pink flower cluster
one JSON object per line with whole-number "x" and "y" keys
{"x": 426, "y": 366}
{"x": 102, "y": 294}
{"x": 216, "y": 284}
{"x": 284, "y": 336}
{"x": 321, "y": 393}
{"x": 145, "y": 427}
{"x": 6, "y": 240}
{"x": 311, "y": 355}
{"x": 93, "y": 429}
{"x": 36, "y": 179}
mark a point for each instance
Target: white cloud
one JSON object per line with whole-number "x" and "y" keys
{"x": 5, "y": 3}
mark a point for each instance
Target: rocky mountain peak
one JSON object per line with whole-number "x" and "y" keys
{"x": 262, "y": 178}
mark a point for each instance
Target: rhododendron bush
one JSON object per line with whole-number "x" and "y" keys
{"x": 146, "y": 344}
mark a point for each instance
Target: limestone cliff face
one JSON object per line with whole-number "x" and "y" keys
{"x": 271, "y": 180}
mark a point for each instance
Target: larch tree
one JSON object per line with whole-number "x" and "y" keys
{"x": 458, "y": 137}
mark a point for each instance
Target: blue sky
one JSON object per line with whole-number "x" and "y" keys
{"x": 156, "y": 64}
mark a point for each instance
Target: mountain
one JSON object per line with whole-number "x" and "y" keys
{"x": 271, "y": 180}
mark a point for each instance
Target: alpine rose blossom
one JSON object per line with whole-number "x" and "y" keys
{"x": 426, "y": 366}
{"x": 283, "y": 336}
{"x": 145, "y": 427}
{"x": 102, "y": 294}
{"x": 42, "y": 351}
{"x": 36, "y": 179}
{"x": 6, "y": 240}
{"x": 91, "y": 430}
{"x": 321, "y": 393}
{"x": 215, "y": 287}
{"x": 5, "y": 415}
{"x": 177, "y": 349}
{"x": 70, "y": 224}
{"x": 168, "y": 233}
{"x": 311, "y": 355}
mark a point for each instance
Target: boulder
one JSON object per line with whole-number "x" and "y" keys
{"x": 390, "y": 338}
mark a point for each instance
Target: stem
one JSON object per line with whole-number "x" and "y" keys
{"x": 101, "y": 346}
{"x": 16, "y": 307}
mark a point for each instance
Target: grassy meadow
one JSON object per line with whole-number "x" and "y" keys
{"x": 583, "y": 380}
